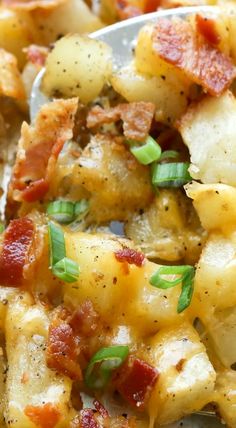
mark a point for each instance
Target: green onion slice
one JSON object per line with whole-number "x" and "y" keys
{"x": 56, "y": 243}
{"x": 185, "y": 275}
{"x": 2, "y": 228}
{"x": 146, "y": 153}
{"x": 81, "y": 209}
{"x": 61, "y": 211}
{"x": 171, "y": 174}
{"x": 102, "y": 364}
{"x": 169, "y": 154}
{"x": 67, "y": 270}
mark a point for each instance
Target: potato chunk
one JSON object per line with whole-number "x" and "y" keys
{"x": 208, "y": 129}
{"x": 77, "y": 66}
{"x": 187, "y": 377}
{"x": 226, "y": 396}
{"x": 215, "y": 205}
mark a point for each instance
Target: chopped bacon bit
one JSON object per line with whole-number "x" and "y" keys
{"x": 35, "y": 191}
{"x": 131, "y": 256}
{"x": 207, "y": 28}
{"x": 62, "y": 350}
{"x": 179, "y": 365}
{"x": 137, "y": 118}
{"x": 100, "y": 409}
{"x": 39, "y": 148}
{"x": 46, "y": 416}
{"x": 36, "y": 54}
{"x": 87, "y": 419}
{"x": 136, "y": 380}
{"x": 16, "y": 244}
{"x": 151, "y": 5}
{"x": 176, "y": 42}
{"x": 84, "y": 320}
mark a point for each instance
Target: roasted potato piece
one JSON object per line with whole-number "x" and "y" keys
{"x": 213, "y": 158}
{"x": 187, "y": 377}
{"x": 77, "y": 66}
{"x": 226, "y": 396}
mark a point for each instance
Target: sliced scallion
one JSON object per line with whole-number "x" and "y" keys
{"x": 173, "y": 174}
{"x": 2, "y": 228}
{"x": 185, "y": 276}
{"x": 169, "y": 154}
{"x": 61, "y": 211}
{"x": 146, "y": 153}
{"x": 67, "y": 270}
{"x": 102, "y": 364}
{"x": 81, "y": 209}
{"x": 56, "y": 243}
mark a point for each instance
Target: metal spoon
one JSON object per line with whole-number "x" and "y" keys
{"x": 122, "y": 38}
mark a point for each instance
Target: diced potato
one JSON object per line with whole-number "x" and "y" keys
{"x": 3, "y": 369}
{"x": 216, "y": 275}
{"x": 77, "y": 66}
{"x": 6, "y": 295}
{"x": 73, "y": 16}
{"x": 215, "y": 205}
{"x": 221, "y": 327}
{"x": 29, "y": 381}
{"x": 187, "y": 378}
{"x": 116, "y": 181}
{"x": 106, "y": 288}
{"x": 16, "y": 32}
{"x": 226, "y": 396}
{"x": 168, "y": 229}
{"x": 208, "y": 129}
{"x": 169, "y": 95}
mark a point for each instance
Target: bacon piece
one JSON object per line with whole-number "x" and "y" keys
{"x": 17, "y": 241}
{"x": 131, "y": 256}
{"x": 32, "y": 4}
{"x": 84, "y": 320}
{"x": 176, "y": 42}
{"x": 207, "y": 28}
{"x": 62, "y": 350}
{"x": 137, "y": 378}
{"x": 46, "y": 416}
{"x": 36, "y": 54}
{"x": 39, "y": 148}
{"x": 136, "y": 117}
{"x": 100, "y": 409}
{"x": 87, "y": 419}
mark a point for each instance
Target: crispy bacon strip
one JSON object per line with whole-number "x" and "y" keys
{"x": 17, "y": 241}
{"x": 62, "y": 350}
{"x": 207, "y": 28}
{"x": 176, "y": 42}
{"x": 131, "y": 256}
{"x": 136, "y": 117}
{"x": 32, "y": 4}
{"x": 39, "y": 148}
{"x": 46, "y": 416}
{"x": 151, "y": 5}
{"x": 87, "y": 419}
{"x": 136, "y": 380}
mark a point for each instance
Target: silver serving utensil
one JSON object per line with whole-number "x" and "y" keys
{"x": 122, "y": 38}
